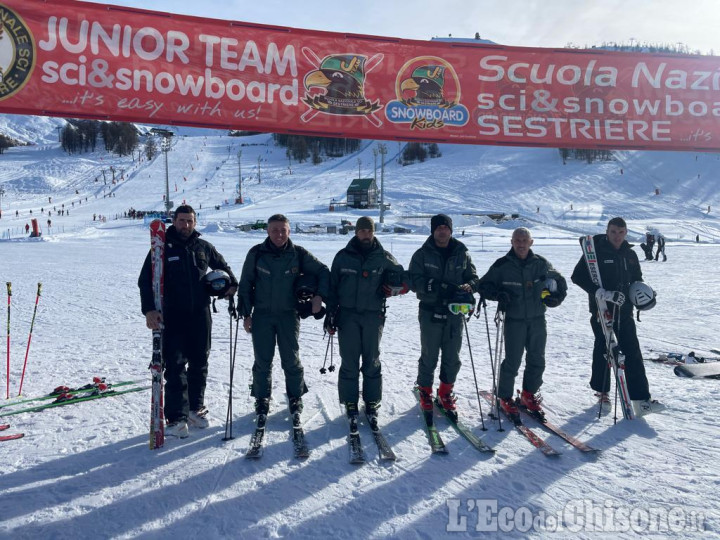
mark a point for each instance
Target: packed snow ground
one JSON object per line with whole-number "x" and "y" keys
{"x": 84, "y": 471}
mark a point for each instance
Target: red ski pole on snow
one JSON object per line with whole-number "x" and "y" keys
{"x": 9, "y": 294}
{"x": 32, "y": 323}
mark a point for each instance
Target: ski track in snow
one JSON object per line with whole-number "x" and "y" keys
{"x": 84, "y": 471}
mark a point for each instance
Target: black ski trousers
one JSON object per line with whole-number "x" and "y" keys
{"x": 626, "y": 334}
{"x": 186, "y": 347}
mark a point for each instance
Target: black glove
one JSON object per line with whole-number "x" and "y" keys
{"x": 552, "y": 300}
{"x": 329, "y": 324}
{"x": 320, "y": 314}
{"x": 503, "y": 299}
{"x": 304, "y": 308}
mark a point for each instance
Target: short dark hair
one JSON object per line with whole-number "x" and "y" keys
{"x": 184, "y": 209}
{"x": 618, "y": 222}
{"x": 278, "y": 217}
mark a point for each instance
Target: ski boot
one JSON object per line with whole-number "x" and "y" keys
{"x": 426, "y": 398}
{"x": 446, "y": 400}
{"x": 510, "y": 408}
{"x": 532, "y": 403}
{"x": 199, "y": 418}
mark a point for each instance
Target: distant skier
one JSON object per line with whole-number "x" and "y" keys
{"x": 524, "y": 284}
{"x": 440, "y": 271}
{"x": 619, "y": 268}
{"x": 186, "y": 320}
{"x": 267, "y": 302}
{"x": 647, "y": 247}
{"x": 660, "y": 247}
{"x": 363, "y": 274}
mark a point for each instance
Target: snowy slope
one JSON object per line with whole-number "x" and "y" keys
{"x": 84, "y": 471}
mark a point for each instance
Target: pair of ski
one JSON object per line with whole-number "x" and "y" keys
{"x": 437, "y": 446}
{"x": 357, "y": 454}
{"x": 533, "y": 437}
{"x": 69, "y": 398}
{"x": 256, "y": 448}
{"x": 58, "y": 391}
{"x": 11, "y": 437}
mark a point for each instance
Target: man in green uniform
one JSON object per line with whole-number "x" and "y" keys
{"x": 438, "y": 271}
{"x": 363, "y": 274}
{"x": 524, "y": 284}
{"x": 267, "y": 303}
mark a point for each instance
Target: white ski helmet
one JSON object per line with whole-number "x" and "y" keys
{"x": 217, "y": 283}
{"x": 642, "y": 296}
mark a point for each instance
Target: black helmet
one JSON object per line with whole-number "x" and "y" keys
{"x": 305, "y": 286}
{"x": 393, "y": 278}
{"x": 217, "y": 283}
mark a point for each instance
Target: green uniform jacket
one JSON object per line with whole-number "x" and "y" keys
{"x": 356, "y": 282}
{"x": 524, "y": 280}
{"x": 427, "y": 263}
{"x": 267, "y": 283}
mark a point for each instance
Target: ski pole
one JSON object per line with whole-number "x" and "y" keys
{"x": 472, "y": 365}
{"x": 329, "y": 347}
{"x": 9, "y": 294}
{"x": 27, "y": 350}
{"x": 233, "y": 354}
{"x": 492, "y": 360}
{"x": 499, "y": 342}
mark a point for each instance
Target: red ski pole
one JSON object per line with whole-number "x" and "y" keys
{"x": 9, "y": 294}
{"x": 32, "y": 323}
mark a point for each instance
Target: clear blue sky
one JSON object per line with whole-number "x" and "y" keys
{"x": 532, "y": 23}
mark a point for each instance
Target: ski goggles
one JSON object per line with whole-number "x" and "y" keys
{"x": 465, "y": 309}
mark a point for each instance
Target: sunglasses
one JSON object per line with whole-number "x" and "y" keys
{"x": 456, "y": 309}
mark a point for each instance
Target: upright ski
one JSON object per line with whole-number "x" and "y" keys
{"x": 157, "y": 417}
{"x": 385, "y": 452}
{"x": 615, "y": 358}
{"x": 255, "y": 451}
{"x": 437, "y": 446}
{"x": 464, "y": 431}
{"x": 529, "y": 434}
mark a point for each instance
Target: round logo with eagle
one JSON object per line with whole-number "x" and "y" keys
{"x": 17, "y": 53}
{"x": 428, "y": 95}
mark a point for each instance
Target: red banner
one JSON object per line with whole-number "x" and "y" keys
{"x": 77, "y": 59}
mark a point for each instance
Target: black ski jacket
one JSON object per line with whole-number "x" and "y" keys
{"x": 618, "y": 269}
{"x": 186, "y": 262}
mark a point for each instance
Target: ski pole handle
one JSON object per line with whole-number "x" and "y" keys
{"x": 9, "y": 288}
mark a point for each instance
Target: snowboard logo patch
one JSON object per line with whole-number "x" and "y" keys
{"x": 428, "y": 95}
{"x": 17, "y": 53}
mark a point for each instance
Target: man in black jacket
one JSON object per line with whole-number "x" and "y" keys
{"x": 185, "y": 319}
{"x": 619, "y": 268}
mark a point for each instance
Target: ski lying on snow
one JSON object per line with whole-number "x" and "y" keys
{"x": 357, "y": 456}
{"x": 4, "y": 427}
{"x": 11, "y": 437}
{"x": 436, "y": 443}
{"x": 529, "y": 434}
{"x": 464, "y": 431}
{"x": 385, "y": 452}
{"x": 65, "y": 390}
{"x": 255, "y": 451}
{"x": 300, "y": 448}
{"x": 78, "y": 398}
{"x": 552, "y": 428}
